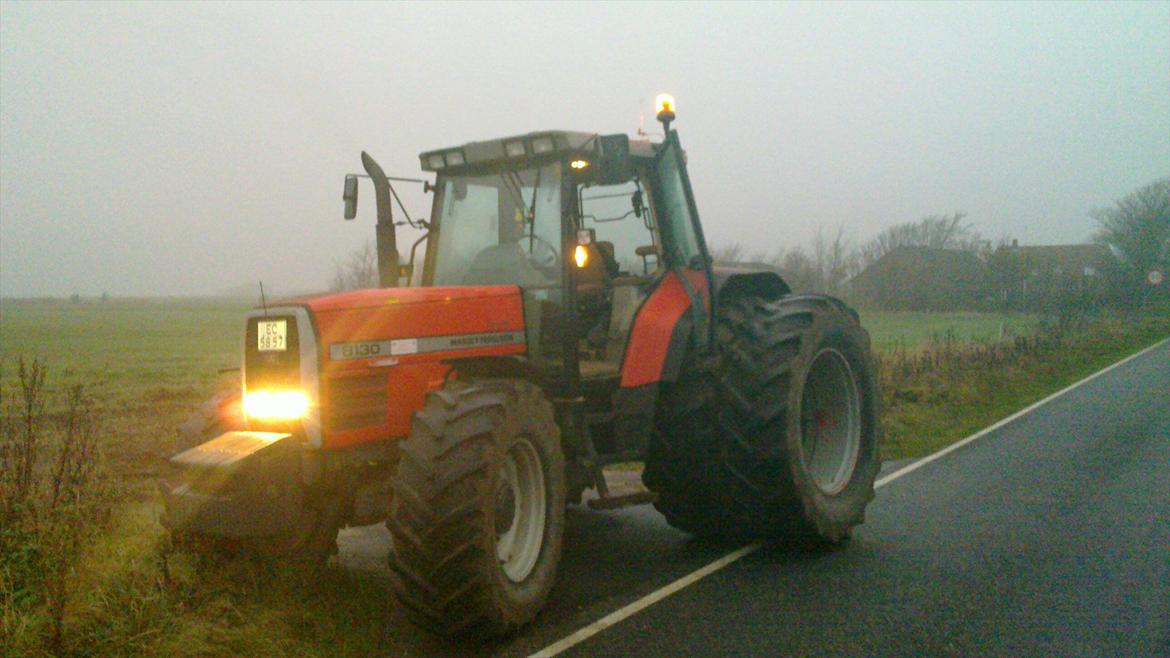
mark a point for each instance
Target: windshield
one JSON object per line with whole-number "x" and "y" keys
{"x": 499, "y": 228}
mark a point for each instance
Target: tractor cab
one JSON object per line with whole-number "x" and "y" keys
{"x": 586, "y": 225}
{"x": 571, "y": 219}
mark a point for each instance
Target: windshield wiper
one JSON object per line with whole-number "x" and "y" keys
{"x": 532, "y": 211}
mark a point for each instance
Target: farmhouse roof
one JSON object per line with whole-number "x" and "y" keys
{"x": 1066, "y": 257}
{"x": 921, "y": 259}
{"x": 922, "y": 278}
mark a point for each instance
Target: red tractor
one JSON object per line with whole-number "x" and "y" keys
{"x": 568, "y": 317}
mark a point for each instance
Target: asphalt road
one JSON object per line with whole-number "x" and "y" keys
{"x": 1047, "y": 536}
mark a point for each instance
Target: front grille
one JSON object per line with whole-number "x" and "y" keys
{"x": 356, "y": 402}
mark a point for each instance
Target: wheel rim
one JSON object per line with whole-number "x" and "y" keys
{"x": 520, "y": 510}
{"x": 830, "y": 422}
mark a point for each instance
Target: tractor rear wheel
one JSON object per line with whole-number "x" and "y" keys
{"x": 797, "y": 420}
{"x": 478, "y": 508}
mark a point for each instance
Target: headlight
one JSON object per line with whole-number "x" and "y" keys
{"x": 276, "y": 405}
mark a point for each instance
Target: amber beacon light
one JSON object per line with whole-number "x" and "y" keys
{"x": 664, "y": 106}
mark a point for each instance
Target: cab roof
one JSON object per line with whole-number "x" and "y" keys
{"x": 530, "y": 145}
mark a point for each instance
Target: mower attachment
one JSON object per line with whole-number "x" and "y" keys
{"x": 237, "y": 485}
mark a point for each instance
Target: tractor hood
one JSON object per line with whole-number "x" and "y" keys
{"x": 379, "y": 297}
{"x": 416, "y": 324}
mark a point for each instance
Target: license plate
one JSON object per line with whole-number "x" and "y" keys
{"x": 272, "y": 335}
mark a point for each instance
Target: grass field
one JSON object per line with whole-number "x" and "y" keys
{"x": 911, "y": 330}
{"x": 149, "y": 362}
{"x": 140, "y": 349}
{"x": 131, "y": 348}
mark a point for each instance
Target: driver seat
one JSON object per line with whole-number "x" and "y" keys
{"x": 503, "y": 264}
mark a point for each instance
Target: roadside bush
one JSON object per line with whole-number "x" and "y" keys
{"x": 53, "y": 502}
{"x": 941, "y": 391}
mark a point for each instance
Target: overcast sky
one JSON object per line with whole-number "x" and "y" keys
{"x": 187, "y": 149}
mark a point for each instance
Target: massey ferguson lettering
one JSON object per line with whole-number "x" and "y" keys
{"x": 401, "y": 346}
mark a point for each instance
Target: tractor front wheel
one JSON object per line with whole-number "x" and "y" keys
{"x": 478, "y": 508}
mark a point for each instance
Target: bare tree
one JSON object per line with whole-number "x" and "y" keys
{"x": 938, "y": 231}
{"x": 800, "y": 272}
{"x": 1138, "y": 226}
{"x": 825, "y": 269}
{"x": 736, "y": 252}
{"x": 358, "y": 270}
{"x": 833, "y": 261}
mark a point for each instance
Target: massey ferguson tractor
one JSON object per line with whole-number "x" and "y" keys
{"x": 565, "y": 315}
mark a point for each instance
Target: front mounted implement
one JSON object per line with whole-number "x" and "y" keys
{"x": 239, "y": 485}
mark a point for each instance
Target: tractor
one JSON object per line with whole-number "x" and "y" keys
{"x": 564, "y": 315}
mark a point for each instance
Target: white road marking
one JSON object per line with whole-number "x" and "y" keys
{"x": 646, "y": 601}
{"x": 695, "y": 576}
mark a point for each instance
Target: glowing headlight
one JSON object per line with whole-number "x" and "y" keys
{"x": 276, "y": 405}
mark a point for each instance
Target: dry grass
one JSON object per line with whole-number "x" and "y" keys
{"x": 54, "y": 501}
{"x": 946, "y": 389}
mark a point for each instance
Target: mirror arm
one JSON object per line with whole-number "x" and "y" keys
{"x": 414, "y": 247}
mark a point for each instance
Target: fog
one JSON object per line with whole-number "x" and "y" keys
{"x": 170, "y": 149}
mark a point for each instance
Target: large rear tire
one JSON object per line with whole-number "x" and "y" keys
{"x": 798, "y": 418}
{"x": 478, "y": 508}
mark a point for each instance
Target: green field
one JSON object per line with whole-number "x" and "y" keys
{"x": 150, "y": 361}
{"x": 911, "y": 330}
{"x": 146, "y": 362}
{"x": 127, "y": 346}
{"x": 139, "y": 349}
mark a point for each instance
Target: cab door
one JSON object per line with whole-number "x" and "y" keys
{"x": 674, "y": 319}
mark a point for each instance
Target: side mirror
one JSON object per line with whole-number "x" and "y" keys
{"x": 349, "y": 195}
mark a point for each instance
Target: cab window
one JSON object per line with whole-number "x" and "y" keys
{"x": 674, "y": 214}
{"x": 498, "y": 229}
{"x": 621, "y": 220}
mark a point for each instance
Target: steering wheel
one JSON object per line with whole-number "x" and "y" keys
{"x": 544, "y": 255}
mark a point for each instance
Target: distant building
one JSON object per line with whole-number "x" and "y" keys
{"x": 923, "y": 279}
{"x": 1054, "y": 277}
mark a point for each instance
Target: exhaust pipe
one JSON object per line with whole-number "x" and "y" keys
{"x": 387, "y": 240}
